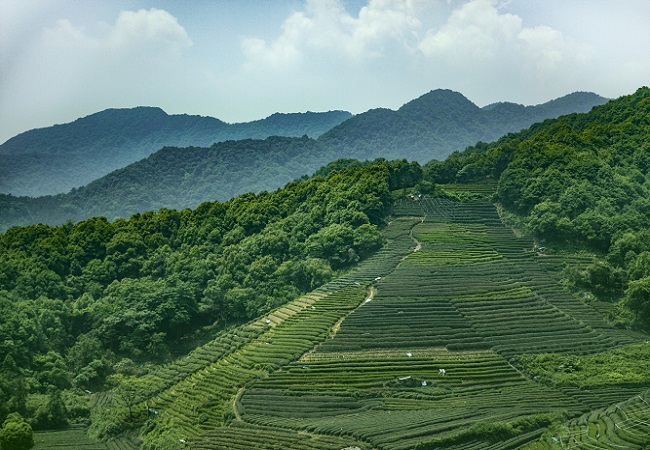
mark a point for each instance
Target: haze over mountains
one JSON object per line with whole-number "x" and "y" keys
{"x": 441, "y": 121}
{"x": 429, "y": 127}
{"x": 55, "y": 159}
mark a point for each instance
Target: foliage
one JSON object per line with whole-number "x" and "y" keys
{"x": 16, "y": 434}
{"x": 623, "y": 366}
{"x": 78, "y": 300}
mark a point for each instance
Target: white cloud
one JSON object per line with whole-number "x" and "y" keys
{"x": 478, "y": 36}
{"x": 153, "y": 29}
{"x": 548, "y": 51}
{"x": 326, "y": 29}
{"x": 79, "y": 69}
{"x": 151, "y": 26}
{"x": 475, "y": 32}
{"x": 384, "y": 24}
{"x": 136, "y": 53}
{"x": 463, "y": 45}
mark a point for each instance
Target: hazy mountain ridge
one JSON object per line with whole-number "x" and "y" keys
{"x": 442, "y": 121}
{"x": 56, "y": 159}
{"x": 176, "y": 178}
{"x": 185, "y": 177}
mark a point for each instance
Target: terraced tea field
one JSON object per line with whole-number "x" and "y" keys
{"x": 623, "y": 425}
{"x": 70, "y": 439}
{"x": 198, "y": 394}
{"x": 414, "y": 349}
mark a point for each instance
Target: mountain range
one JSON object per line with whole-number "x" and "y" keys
{"x": 429, "y": 127}
{"x": 56, "y": 159}
{"x": 440, "y": 122}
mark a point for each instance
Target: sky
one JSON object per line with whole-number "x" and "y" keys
{"x": 242, "y": 60}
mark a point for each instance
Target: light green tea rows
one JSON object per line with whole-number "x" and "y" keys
{"x": 415, "y": 346}
{"x": 206, "y": 399}
{"x": 428, "y": 355}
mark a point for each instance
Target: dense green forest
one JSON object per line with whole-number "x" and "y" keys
{"x": 176, "y": 178}
{"x": 580, "y": 179}
{"x": 86, "y": 303}
{"x": 56, "y": 159}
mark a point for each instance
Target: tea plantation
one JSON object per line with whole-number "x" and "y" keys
{"x": 429, "y": 344}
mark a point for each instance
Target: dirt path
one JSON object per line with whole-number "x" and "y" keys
{"x": 417, "y": 248}
{"x": 371, "y": 294}
{"x": 418, "y": 244}
{"x": 235, "y": 401}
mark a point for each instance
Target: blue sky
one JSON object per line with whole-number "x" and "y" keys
{"x": 241, "y": 60}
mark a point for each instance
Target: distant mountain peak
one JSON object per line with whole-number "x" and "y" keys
{"x": 584, "y": 101}
{"x": 441, "y": 121}
{"x": 126, "y": 112}
{"x": 439, "y": 101}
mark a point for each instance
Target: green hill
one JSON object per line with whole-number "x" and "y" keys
{"x": 86, "y": 305}
{"x": 348, "y": 311}
{"x": 56, "y": 159}
{"x": 434, "y": 342}
{"x": 445, "y": 331}
{"x": 175, "y": 178}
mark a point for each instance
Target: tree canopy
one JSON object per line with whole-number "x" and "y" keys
{"x": 84, "y": 302}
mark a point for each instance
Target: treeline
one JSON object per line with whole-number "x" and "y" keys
{"x": 580, "y": 179}
{"x": 85, "y": 302}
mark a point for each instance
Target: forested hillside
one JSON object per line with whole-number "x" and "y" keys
{"x": 175, "y": 178}
{"x": 440, "y": 122}
{"x": 431, "y": 126}
{"x": 56, "y": 159}
{"x": 84, "y": 305}
{"x": 580, "y": 179}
